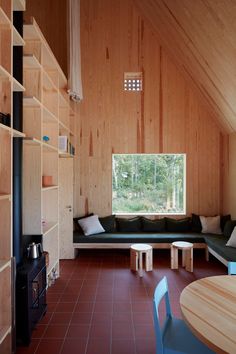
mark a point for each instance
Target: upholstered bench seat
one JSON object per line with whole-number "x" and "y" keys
{"x": 142, "y": 237}
{"x": 217, "y": 244}
{"x": 169, "y": 230}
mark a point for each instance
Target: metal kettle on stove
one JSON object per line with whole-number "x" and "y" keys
{"x": 34, "y": 250}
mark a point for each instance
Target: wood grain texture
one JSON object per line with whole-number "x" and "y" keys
{"x": 32, "y": 176}
{"x": 168, "y": 116}
{"x": 5, "y": 241}
{"x": 231, "y": 195}
{"x": 200, "y": 36}
{"x": 51, "y": 16}
{"x": 208, "y": 306}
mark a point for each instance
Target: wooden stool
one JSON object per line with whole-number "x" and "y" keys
{"x": 187, "y": 255}
{"x": 136, "y": 257}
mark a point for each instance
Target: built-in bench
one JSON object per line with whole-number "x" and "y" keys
{"x": 215, "y": 244}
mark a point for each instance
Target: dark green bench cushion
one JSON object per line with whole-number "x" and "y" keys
{"x": 138, "y": 238}
{"x": 218, "y": 244}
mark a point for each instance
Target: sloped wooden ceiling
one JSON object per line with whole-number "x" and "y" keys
{"x": 201, "y": 36}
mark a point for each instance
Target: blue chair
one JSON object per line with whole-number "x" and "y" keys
{"x": 232, "y": 268}
{"x": 174, "y": 337}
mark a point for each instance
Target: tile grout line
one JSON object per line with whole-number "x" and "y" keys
{"x": 132, "y": 319}
{"x": 92, "y": 313}
{"x": 69, "y": 323}
{"x": 112, "y": 312}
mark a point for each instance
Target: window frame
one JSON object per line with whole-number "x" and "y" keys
{"x": 154, "y": 213}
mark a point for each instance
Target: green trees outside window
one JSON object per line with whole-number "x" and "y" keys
{"x": 148, "y": 183}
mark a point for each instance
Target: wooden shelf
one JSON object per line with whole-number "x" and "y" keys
{"x": 48, "y": 116}
{"x": 5, "y": 127}
{"x": 18, "y": 5}
{"x": 5, "y": 197}
{"x": 49, "y": 148}
{"x": 49, "y": 227}
{"x": 64, "y": 126}
{"x": 32, "y": 32}
{"x": 49, "y": 188}
{"x": 66, "y": 154}
{"x": 31, "y": 101}
{"x": 48, "y": 83}
{"x": 32, "y": 141}
{"x": 17, "y": 87}
{"x": 4, "y": 19}
{"x": 4, "y": 264}
{"x": 46, "y": 90}
{"x": 10, "y": 38}
{"x": 17, "y": 134}
{"x": 4, "y": 73}
{"x": 31, "y": 62}
{"x": 4, "y": 331}
{"x": 17, "y": 39}
{"x": 63, "y": 101}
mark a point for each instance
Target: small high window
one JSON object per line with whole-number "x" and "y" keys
{"x": 133, "y": 81}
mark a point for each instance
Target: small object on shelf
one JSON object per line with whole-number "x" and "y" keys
{"x": 46, "y": 138}
{"x": 46, "y": 255}
{"x": 63, "y": 143}
{"x": 47, "y": 181}
{"x": 5, "y": 118}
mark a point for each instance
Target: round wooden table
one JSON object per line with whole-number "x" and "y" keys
{"x": 208, "y": 306}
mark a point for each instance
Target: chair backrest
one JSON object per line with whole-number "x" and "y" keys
{"x": 160, "y": 292}
{"x": 232, "y": 268}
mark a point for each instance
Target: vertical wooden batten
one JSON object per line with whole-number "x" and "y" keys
{"x": 160, "y": 107}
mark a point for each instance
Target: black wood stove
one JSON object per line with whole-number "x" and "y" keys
{"x": 30, "y": 297}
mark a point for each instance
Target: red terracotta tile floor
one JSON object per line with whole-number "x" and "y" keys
{"x": 98, "y": 306}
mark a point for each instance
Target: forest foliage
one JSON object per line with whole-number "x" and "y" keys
{"x": 148, "y": 183}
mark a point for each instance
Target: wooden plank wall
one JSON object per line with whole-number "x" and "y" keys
{"x": 231, "y": 190}
{"x": 168, "y": 116}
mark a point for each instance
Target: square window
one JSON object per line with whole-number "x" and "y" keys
{"x": 149, "y": 184}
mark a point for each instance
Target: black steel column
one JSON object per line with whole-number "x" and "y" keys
{"x": 17, "y": 142}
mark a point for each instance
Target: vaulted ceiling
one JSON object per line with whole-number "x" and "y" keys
{"x": 201, "y": 36}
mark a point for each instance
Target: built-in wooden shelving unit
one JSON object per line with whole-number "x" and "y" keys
{"x": 47, "y": 113}
{"x": 9, "y": 37}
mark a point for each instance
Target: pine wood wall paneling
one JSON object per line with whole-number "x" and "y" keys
{"x": 115, "y": 39}
{"x": 232, "y": 176}
{"x": 226, "y": 164}
{"x": 152, "y": 104}
{"x": 51, "y": 16}
{"x": 173, "y": 108}
{"x": 169, "y": 116}
{"x": 196, "y": 34}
